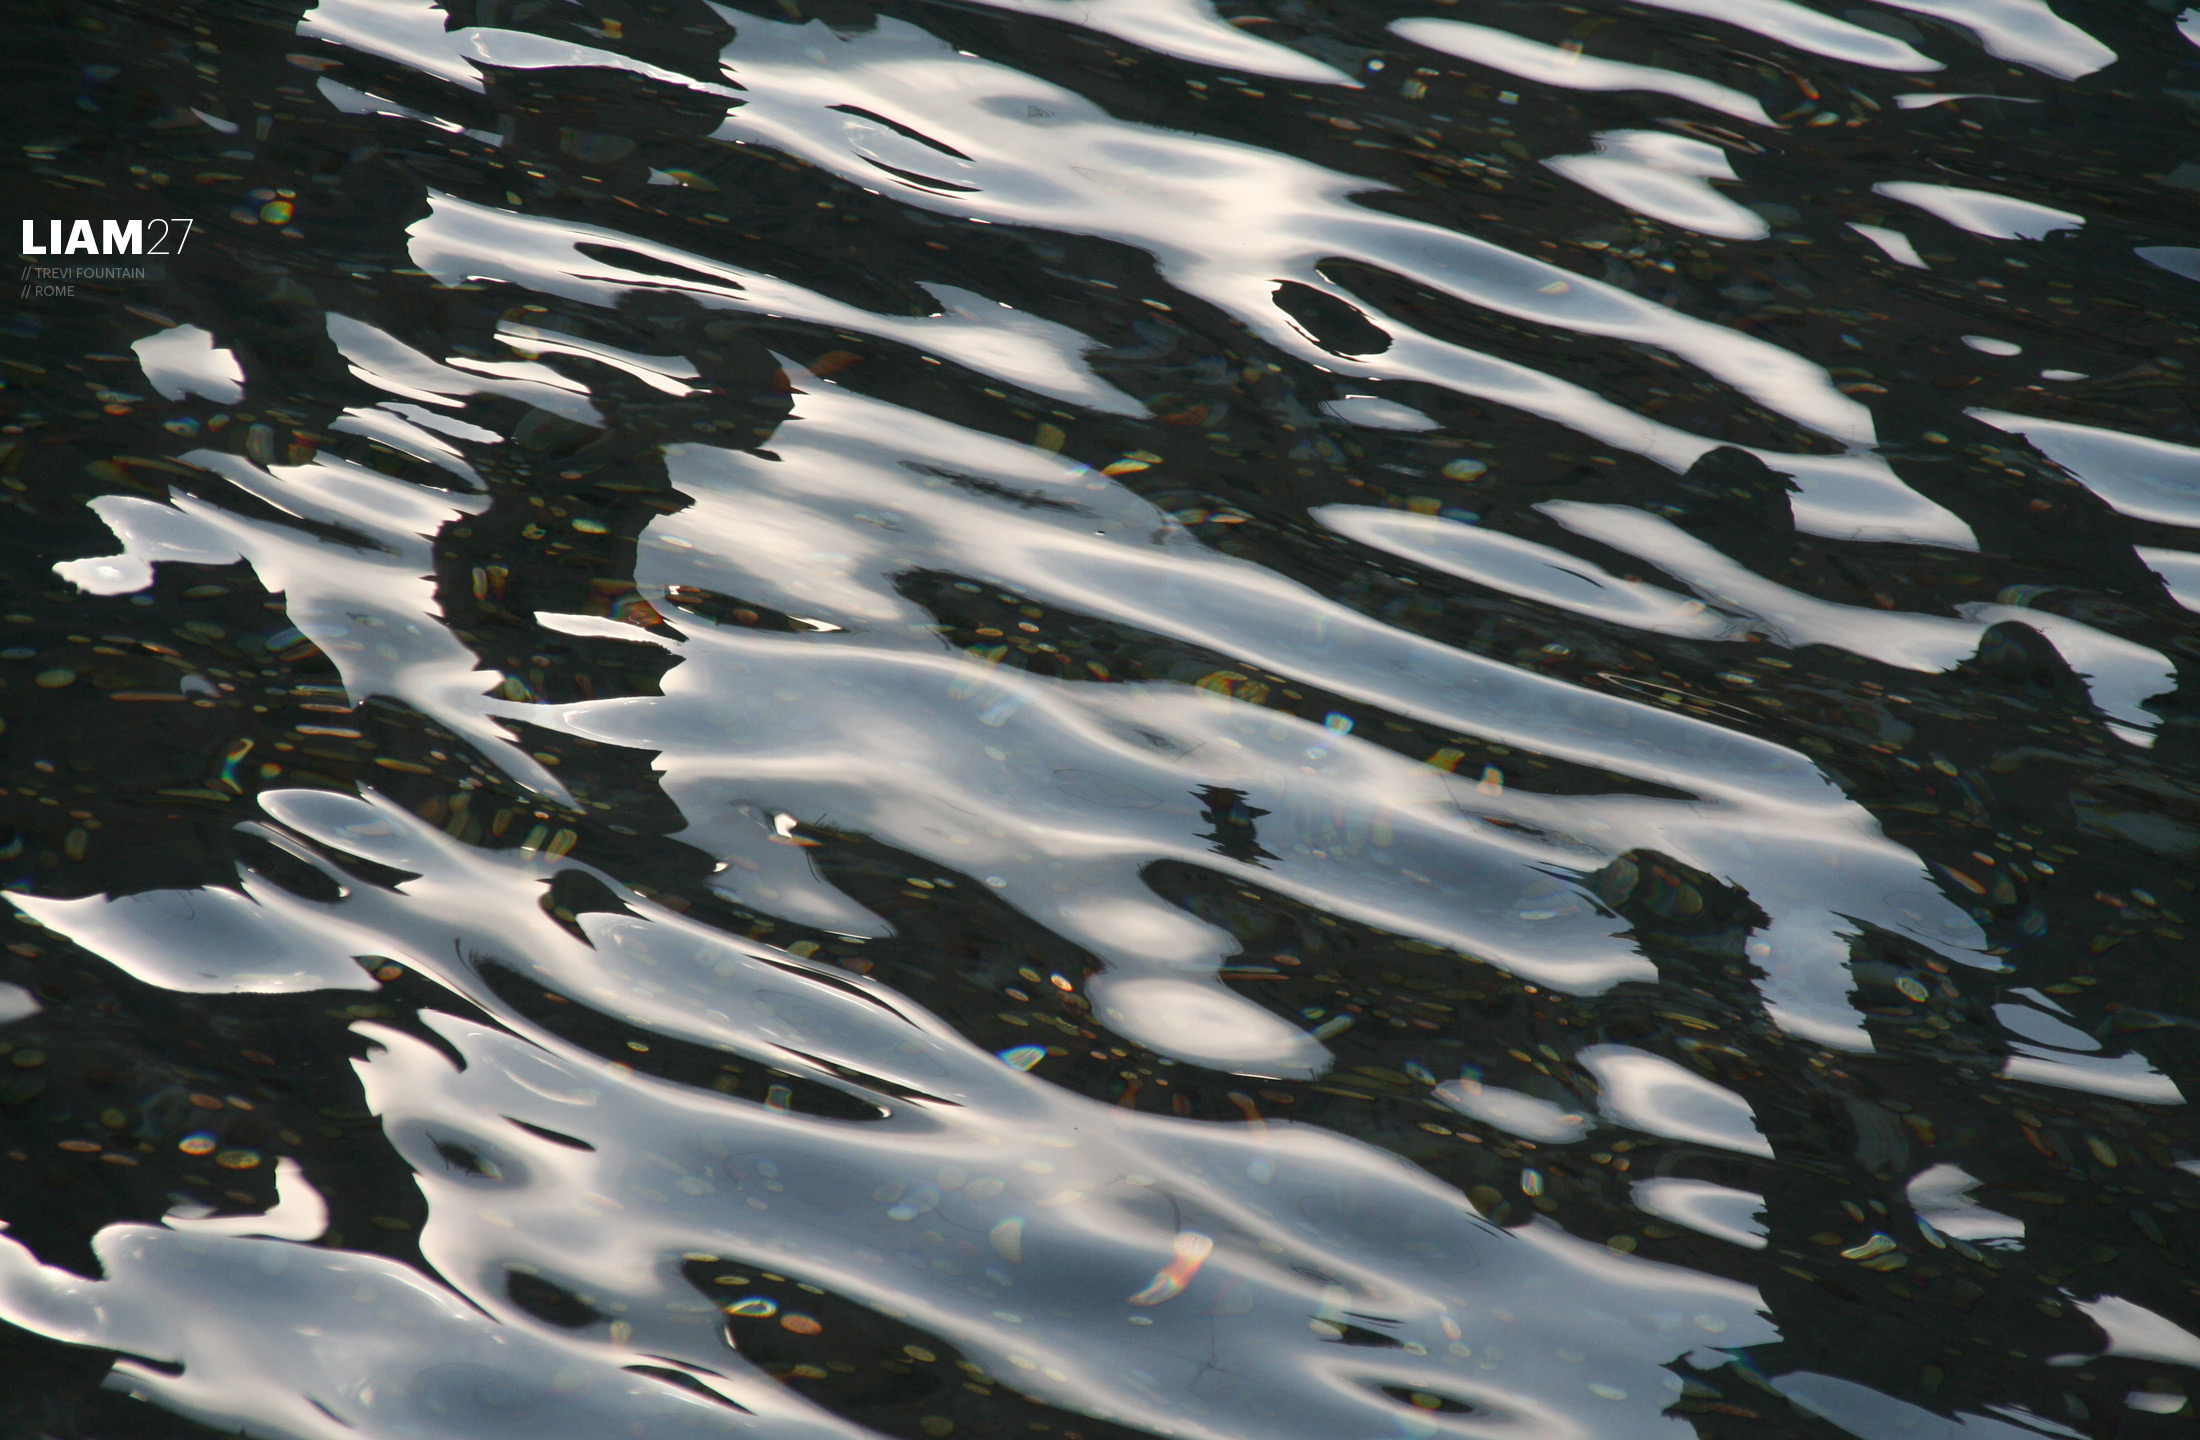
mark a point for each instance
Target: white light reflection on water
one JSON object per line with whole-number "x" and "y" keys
{"x": 1981, "y": 211}
{"x": 1652, "y": 1093}
{"x": 365, "y": 594}
{"x": 999, "y": 774}
{"x": 2025, "y": 31}
{"x": 1304, "y": 1222}
{"x": 412, "y": 32}
{"x": 1735, "y": 1216}
{"x": 2121, "y": 674}
{"x": 183, "y": 361}
{"x": 1225, "y": 222}
{"x": 980, "y": 769}
{"x": 1033, "y": 777}
{"x": 458, "y": 241}
{"x": 2137, "y": 475}
{"x": 1055, "y": 796}
{"x": 1667, "y": 177}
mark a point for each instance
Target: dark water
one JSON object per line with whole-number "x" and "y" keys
{"x": 1080, "y": 719}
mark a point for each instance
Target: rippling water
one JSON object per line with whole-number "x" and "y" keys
{"x": 1077, "y": 720}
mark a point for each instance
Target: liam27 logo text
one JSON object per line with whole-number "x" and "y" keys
{"x": 108, "y": 237}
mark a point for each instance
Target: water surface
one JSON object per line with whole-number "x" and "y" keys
{"x": 1129, "y": 718}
